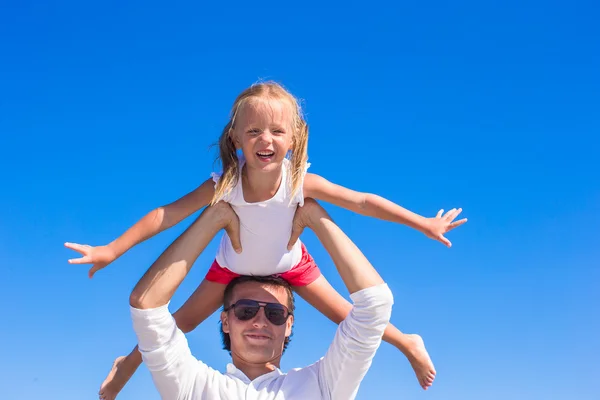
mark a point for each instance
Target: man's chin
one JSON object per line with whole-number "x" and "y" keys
{"x": 260, "y": 354}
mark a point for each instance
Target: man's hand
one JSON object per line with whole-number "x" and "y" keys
{"x": 305, "y": 216}
{"x": 226, "y": 218}
{"x": 436, "y": 227}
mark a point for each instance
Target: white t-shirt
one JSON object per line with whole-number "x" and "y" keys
{"x": 265, "y": 229}
{"x": 177, "y": 374}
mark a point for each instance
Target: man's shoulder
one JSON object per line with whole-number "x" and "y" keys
{"x": 310, "y": 371}
{"x": 302, "y": 383}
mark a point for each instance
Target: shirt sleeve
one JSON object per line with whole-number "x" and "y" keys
{"x": 216, "y": 176}
{"x": 299, "y": 198}
{"x": 175, "y": 371}
{"x": 356, "y": 341}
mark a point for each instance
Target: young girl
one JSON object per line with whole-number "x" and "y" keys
{"x": 264, "y": 187}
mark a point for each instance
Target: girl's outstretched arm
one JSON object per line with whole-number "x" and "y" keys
{"x": 152, "y": 223}
{"x": 376, "y": 206}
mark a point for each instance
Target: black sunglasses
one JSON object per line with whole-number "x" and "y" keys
{"x": 246, "y": 309}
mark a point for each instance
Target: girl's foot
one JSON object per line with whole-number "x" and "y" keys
{"x": 116, "y": 379}
{"x": 419, "y": 360}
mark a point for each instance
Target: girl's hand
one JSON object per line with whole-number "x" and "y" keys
{"x": 436, "y": 227}
{"x": 99, "y": 256}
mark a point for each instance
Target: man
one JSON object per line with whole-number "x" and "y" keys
{"x": 257, "y": 320}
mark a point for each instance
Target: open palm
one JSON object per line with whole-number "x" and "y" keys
{"x": 441, "y": 224}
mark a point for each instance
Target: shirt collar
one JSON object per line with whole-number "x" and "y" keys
{"x": 234, "y": 372}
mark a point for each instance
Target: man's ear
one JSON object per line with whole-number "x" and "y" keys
{"x": 225, "y": 322}
{"x": 288, "y": 326}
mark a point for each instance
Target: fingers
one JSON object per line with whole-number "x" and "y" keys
{"x": 440, "y": 213}
{"x": 452, "y": 214}
{"x": 81, "y": 248}
{"x": 95, "y": 268}
{"x": 457, "y": 223}
{"x": 233, "y": 231}
{"x": 81, "y": 260}
{"x": 296, "y": 231}
{"x": 445, "y": 241}
{"x": 300, "y": 220}
{"x": 227, "y": 219}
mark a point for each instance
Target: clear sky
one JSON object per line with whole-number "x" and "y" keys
{"x": 108, "y": 109}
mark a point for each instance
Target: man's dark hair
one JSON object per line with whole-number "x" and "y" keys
{"x": 265, "y": 280}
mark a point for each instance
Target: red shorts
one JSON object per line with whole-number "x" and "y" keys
{"x": 303, "y": 273}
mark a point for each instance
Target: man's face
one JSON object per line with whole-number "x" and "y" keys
{"x": 257, "y": 340}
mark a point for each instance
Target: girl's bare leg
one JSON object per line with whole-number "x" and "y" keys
{"x": 321, "y": 295}
{"x": 205, "y": 300}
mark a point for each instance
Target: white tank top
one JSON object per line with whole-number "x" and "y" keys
{"x": 265, "y": 229}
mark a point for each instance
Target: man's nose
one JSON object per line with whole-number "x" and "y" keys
{"x": 260, "y": 319}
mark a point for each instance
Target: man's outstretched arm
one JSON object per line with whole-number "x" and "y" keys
{"x": 358, "y": 337}
{"x": 164, "y": 348}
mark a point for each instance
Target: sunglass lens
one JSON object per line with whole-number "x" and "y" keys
{"x": 276, "y": 315}
{"x": 246, "y": 312}
{"x": 247, "y": 309}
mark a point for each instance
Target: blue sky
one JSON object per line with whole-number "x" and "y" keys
{"x": 107, "y": 110}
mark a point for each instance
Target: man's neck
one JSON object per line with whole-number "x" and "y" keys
{"x": 252, "y": 370}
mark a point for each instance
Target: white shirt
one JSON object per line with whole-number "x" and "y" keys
{"x": 178, "y": 375}
{"x": 265, "y": 229}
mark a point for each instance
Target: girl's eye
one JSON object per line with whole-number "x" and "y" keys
{"x": 253, "y": 131}
{"x": 279, "y": 131}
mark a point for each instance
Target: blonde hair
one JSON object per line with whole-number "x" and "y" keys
{"x": 227, "y": 151}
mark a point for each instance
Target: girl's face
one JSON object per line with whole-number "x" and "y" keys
{"x": 263, "y": 130}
